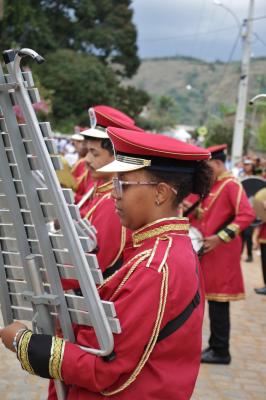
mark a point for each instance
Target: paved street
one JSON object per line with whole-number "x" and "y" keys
{"x": 244, "y": 379}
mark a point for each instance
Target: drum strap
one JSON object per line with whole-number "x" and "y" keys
{"x": 192, "y": 208}
{"x": 177, "y": 322}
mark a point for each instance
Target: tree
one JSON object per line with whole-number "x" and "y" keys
{"x": 97, "y": 27}
{"x": 262, "y": 135}
{"x": 89, "y": 46}
{"x": 79, "y": 81}
{"x": 163, "y": 113}
{"x": 221, "y": 131}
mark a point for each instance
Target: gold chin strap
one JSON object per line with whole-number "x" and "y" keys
{"x": 155, "y": 333}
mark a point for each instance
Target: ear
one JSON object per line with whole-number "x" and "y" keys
{"x": 163, "y": 193}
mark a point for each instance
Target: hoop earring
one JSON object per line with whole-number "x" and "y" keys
{"x": 157, "y": 202}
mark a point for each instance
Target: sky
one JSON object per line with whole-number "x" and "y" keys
{"x": 197, "y": 28}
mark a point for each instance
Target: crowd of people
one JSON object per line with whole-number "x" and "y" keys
{"x": 141, "y": 191}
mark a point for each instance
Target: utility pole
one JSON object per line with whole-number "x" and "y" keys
{"x": 239, "y": 126}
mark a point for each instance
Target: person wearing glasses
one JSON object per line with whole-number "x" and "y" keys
{"x": 157, "y": 293}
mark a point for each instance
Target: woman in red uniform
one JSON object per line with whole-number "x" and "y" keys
{"x": 220, "y": 217}
{"x": 157, "y": 293}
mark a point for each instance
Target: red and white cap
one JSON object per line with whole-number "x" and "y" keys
{"x": 218, "y": 150}
{"x": 103, "y": 116}
{"x": 135, "y": 150}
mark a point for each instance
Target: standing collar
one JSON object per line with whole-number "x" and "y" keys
{"x": 104, "y": 187}
{"x": 160, "y": 227}
{"x": 226, "y": 174}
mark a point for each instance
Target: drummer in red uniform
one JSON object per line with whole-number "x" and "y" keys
{"x": 220, "y": 217}
{"x": 157, "y": 293}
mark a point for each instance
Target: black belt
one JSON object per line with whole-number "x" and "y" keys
{"x": 177, "y": 322}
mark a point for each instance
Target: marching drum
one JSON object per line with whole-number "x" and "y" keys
{"x": 253, "y": 186}
{"x": 196, "y": 239}
{"x": 259, "y": 204}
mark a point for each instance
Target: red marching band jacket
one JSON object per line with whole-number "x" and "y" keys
{"x": 85, "y": 182}
{"x": 154, "y": 286}
{"x": 226, "y": 211}
{"x": 79, "y": 168}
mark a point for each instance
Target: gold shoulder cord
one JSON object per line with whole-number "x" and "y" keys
{"x": 155, "y": 333}
{"x": 143, "y": 255}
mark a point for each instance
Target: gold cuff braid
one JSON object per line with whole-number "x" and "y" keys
{"x": 224, "y": 236}
{"x": 55, "y": 362}
{"x": 22, "y": 353}
{"x": 235, "y": 228}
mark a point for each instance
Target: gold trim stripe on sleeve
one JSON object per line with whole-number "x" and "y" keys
{"x": 224, "y": 236}
{"x": 22, "y": 353}
{"x": 55, "y": 362}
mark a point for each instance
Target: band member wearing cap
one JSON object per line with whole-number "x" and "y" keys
{"x": 220, "y": 217}
{"x": 157, "y": 293}
{"x": 97, "y": 205}
{"x": 100, "y": 116}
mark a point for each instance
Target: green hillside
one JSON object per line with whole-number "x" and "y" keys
{"x": 198, "y": 87}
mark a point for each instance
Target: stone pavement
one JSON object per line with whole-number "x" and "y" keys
{"x": 244, "y": 379}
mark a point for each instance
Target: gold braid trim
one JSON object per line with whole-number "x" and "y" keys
{"x": 216, "y": 194}
{"x": 122, "y": 245}
{"x": 55, "y": 362}
{"x": 152, "y": 342}
{"x": 239, "y": 195}
{"x": 130, "y": 272}
{"x": 105, "y": 187}
{"x": 91, "y": 211}
{"x": 139, "y": 237}
{"x": 235, "y": 228}
{"x": 224, "y": 297}
{"x": 22, "y": 353}
{"x": 146, "y": 252}
{"x": 224, "y": 236}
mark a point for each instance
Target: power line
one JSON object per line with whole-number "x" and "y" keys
{"x": 197, "y": 31}
{"x": 227, "y": 63}
{"x": 257, "y": 18}
{"x": 188, "y": 35}
{"x": 259, "y": 38}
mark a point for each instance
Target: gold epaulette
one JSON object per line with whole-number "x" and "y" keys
{"x": 159, "y": 252}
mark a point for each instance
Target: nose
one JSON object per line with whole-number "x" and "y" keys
{"x": 89, "y": 158}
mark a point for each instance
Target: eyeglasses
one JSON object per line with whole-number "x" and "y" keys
{"x": 118, "y": 186}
